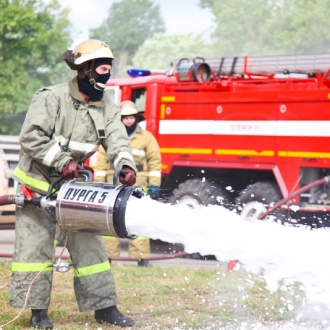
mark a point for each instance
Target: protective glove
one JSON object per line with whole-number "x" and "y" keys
{"x": 70, "y": 170}
{"x": 130, "y": 177}
{"x": 153, "y": 191}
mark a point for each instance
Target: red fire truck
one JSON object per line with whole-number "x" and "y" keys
{"x": 242, "y": 132}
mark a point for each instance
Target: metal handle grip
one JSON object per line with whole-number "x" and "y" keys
{"x": 198, "y": 58}
{"x": 116, "y": 175}
{"x": 88, "y": 175}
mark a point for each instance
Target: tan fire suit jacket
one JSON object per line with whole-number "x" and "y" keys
{"x": 60, "y": 126}
{"x": 146, "y": 154}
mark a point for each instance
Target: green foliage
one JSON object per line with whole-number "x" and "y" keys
{"x": 32, "y": 33}
{"x": 299, "y": 27}
{"x": 270, "y": 27}
{"x": 158, "y": 52}
{"x": 129, "y": 24}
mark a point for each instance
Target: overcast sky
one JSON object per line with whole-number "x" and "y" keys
{"x": 180, "y": 16}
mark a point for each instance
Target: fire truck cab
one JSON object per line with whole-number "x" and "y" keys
{"x": 242, "y": 132}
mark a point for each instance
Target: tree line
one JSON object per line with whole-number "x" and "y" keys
{"x": 34, "y": 34}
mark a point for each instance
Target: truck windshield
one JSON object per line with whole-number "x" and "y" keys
{"x": 139, "y": 98}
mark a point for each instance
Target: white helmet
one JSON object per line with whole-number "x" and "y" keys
{"x": 86, "y": 51}
{"x": 128, "y": 108}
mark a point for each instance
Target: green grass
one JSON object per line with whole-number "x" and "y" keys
{"x": 169, "y": 298}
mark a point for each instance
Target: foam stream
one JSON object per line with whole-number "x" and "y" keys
{"x": 289, "y": 253}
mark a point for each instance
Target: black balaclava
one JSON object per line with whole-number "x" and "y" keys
{"x": 130, "y": 129}
{"x": 91, "y": 89}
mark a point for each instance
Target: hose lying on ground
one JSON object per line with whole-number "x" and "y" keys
{"x": 123, "y": 258}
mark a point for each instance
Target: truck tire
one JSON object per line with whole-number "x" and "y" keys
{"x": 194, "y": 193}
{"x": 254, "y": 199}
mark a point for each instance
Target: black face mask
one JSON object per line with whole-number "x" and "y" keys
{"x": 88, "y": 89}
{"x": 131, "y": 129}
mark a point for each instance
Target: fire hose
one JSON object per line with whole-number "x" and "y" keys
{"x": 295, "y": 193}
{"x": 85, "y": 206}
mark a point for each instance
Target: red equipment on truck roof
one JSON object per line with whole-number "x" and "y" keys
{"x": 242, "y": 132}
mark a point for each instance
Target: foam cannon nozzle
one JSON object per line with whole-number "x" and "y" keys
{"x": 85, "y": 206}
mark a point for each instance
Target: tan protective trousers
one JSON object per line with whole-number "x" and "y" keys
{"x": 138, "y": 248}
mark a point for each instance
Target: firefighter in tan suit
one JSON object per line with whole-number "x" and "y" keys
{"x": 147, "y": 159}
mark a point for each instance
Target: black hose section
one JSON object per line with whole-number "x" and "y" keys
{"x": 51, "y": 214}
{"x": 52, "y": 187}
{"x": 7, "y": 200}
{"x": 35, "y": 201}
{"x": 119, "y": 211}
{"x": 290, "y": 196}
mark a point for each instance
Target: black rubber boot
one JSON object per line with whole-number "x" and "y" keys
{"x": 40, "y": 319}
{"x": 112, "y": 315}
{"x": 143, "y": 263}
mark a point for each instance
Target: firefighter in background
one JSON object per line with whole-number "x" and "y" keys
{"x": 147, "y": 159}
{"x": 65, "y": 125}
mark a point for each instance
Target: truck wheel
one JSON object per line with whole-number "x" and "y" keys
{"x": 194, "y": 193}
{"x": 254, "y": 199}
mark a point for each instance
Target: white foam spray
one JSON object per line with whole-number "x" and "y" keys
{"x": 292, "y": 254}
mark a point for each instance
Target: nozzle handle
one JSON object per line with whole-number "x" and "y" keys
{"x": 88, "y": 175}
{"x": 117, "y": 174}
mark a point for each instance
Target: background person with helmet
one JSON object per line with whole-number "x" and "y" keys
{"x": 147, "y": 158}
{"x": 65, "y": 125}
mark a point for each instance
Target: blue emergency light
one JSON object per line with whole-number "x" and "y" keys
{"x": 135, "y": 72}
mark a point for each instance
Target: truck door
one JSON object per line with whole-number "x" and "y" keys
{"x": 245, "y": 128}
{"x": 186, "y": 127}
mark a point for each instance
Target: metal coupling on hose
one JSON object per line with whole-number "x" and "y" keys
{"x": 61, "y": 266}
{"x": 19, "y": 199}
